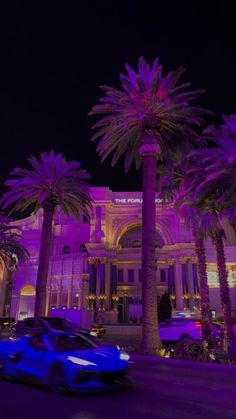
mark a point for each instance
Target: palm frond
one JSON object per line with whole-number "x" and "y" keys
{"x": 143, "y": 93}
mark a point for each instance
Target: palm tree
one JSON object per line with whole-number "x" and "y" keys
{"x": 218, "y": 192}
{"x": 148, "y": 117}
{"x": 212, "y": 211}
{"x": 174, "y": 184}
{"x": 51, "y": 183}
{"x": 11, "y": 251}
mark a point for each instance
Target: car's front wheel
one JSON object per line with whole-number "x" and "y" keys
{"x": 57, "y": 380}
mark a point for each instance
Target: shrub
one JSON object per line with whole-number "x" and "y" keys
{"x": 191, "y": 350}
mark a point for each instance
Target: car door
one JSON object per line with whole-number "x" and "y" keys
{"x": 32, "y": 363}
{"x": 171, "y": 330}
{"x": 164, "y": 331}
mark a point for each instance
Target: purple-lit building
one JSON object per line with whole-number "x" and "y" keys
{"x": 96, "y": 265}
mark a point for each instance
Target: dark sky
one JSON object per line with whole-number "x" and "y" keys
{"x": 55, "y": 54}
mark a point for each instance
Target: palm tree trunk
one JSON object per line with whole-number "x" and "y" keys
{"x": 45, "y": 248}
{"x": 203, "y": 286}
{"x": 224, "y": 286}
{"x": 150, "y": 335}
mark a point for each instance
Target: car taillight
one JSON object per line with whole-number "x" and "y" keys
{"x": 197, "y": 324}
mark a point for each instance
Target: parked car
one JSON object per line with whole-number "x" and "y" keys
{"x": 174, "y": 330}
{"x": 97, "y": 330}
{"x": 64, "y": 361}
{"x": 31, "y": 325}
{"x": 5, "y": 326}
{"x": 186, "y": 314}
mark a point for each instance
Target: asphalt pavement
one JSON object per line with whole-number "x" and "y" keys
{"x": 161, "y": 389}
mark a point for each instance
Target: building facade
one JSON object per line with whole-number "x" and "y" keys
{"x": 96, "y": 265}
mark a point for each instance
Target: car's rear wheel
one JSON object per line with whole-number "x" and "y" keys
{"x": 57, "y": 380}
{"x": 1, "y": 369}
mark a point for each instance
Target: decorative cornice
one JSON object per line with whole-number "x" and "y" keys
{"x": 170, "y": 261}
{"x": 102, "y": 260}
{"x": 183, "y": 259}
{"x": 92, "y": 260}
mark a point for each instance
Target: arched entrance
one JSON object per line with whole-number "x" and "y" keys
{"x": 27, "y": 301}
{"x": 129, "y": 275}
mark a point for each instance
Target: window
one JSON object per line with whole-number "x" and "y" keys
{"x": 64, "y": 297}
{"x": 163, "y": 275}
{"x": 82, "y": 248}
{"x": 66, "y": 250}
{"x": 120, "y": 274}
{"x": 53, "y": 299}
{"x": 71, "y": 343}
{"x": 130, "y": 275}
{"x": 75, "y": 297}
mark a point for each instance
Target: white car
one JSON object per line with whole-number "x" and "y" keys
{"x": 174, "y": 330}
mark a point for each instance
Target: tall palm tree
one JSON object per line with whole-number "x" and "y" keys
{"x": 11, "y": 251}
{"x": 218, "y": 192}
{"x": 216, "y": 231}
{"x": 147, "y": 117}
{"x": 51, "y": 183}
{"x": 174, "y": 185}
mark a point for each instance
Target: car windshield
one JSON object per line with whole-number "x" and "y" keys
{"x": 62, "y": 324}
{"x": 63, "y": 343}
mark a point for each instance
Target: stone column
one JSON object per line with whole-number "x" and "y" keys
{"x": 101, "y": 291}
{"x": 69, "y": 295}
{"x": 113, "y": 282}
{"x": 83, "y": 292}
{"x": 179, "y": 285}
{"x": 59, "y": 291}
{"x": 92, "y": 283}
{"x": 196, "y": 294}
{"x": 185, "y": 286}
{"x": 171, "y": 282}
{"x": 48, "y": 294}
{"x": 98, "y": 234}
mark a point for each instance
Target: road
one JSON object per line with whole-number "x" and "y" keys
{"x": 162, "y": 389}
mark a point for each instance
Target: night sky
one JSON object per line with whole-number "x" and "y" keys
{"x": 55, "y": 54}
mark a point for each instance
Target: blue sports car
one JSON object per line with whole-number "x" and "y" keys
{"x": 64, "y": 361}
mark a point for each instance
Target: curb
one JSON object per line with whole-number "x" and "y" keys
{"x": 183, "y": 363}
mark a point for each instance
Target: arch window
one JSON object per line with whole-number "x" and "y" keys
{"x": 82, "y": 248}
{"x": 28, "y": 290}
{"x": 132, "y": 238}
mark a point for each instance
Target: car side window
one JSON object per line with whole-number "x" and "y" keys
{"x": 71, "y": 342}
{"x": 37, "y": 323}
{"x": 163, "y": 324}
{"x": 177, "y": 324}
{"x": 37, "y": 343}
{"x": 29, "y": 323}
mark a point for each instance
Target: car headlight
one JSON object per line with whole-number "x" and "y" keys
{"x": 79, "y": 361}
{"x": 124, "y": 356}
